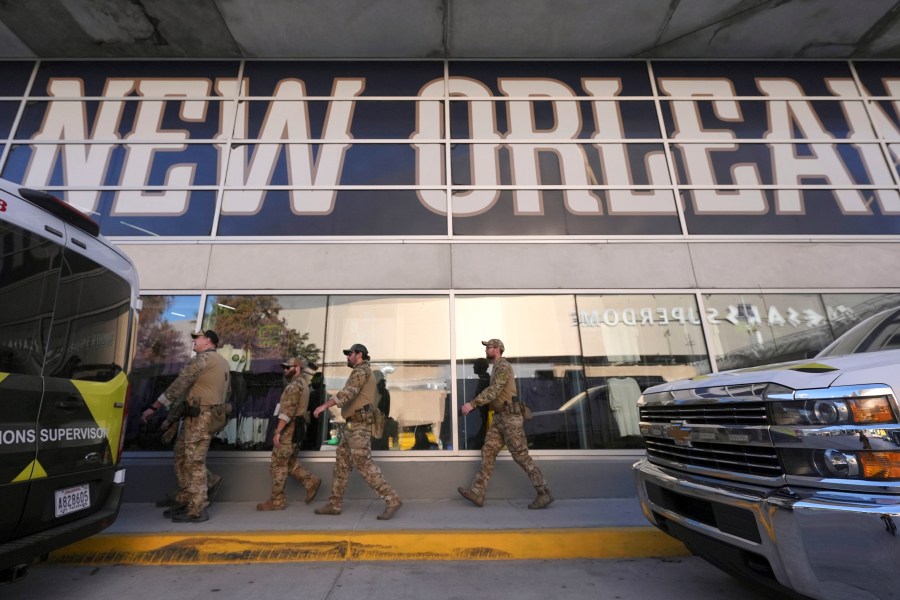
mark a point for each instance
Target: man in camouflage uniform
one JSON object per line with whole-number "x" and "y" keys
{"x": 204, "y": 382}
{"x": 292, "y": 406}
{"x": 506, "y": 428}
{"x": 355, "y": 449}
{"x": 169, "y": 428}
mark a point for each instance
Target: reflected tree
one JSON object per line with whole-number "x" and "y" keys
{"x": 255, "y": 322}
{"x": 157, "y": 340}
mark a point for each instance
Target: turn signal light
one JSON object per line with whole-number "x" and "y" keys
{"x": 870, "y": 410}
{"x": 880, "y": 465}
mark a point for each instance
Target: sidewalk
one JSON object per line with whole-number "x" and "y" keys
{"x": 421, "y": 530}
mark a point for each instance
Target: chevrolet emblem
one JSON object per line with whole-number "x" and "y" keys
{"x": 679, "y": 433}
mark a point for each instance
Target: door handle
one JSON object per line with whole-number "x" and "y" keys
{"x": 70, "y": 404}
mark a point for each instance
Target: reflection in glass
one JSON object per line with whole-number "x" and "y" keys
{"x": 163, "y": 347}
{"x": 846, "y": 310}
{"x": 29, "y": 278}
{"x": 544, "y": 350}
{"x": 581, "y": 361}
{"x": 256, "y": 334}
{"x": 631, "y": 342}
{"x": 408, "y": 339}
{"x": 747, "y": 330}
{"x": 89, "y": 337}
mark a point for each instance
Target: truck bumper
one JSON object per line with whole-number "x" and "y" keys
{"x": 828, "y": 545}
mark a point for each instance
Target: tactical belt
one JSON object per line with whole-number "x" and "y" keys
{"x": 363, "y": 413}
{"x": 509, "y": 408}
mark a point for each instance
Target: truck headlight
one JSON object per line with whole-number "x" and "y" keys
{"x": 836, "y": 463}
{"x": 842, "y": 464}
{"x": 832, "y": 411}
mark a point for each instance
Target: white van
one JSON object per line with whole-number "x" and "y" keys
{"x": 68, "y": 318}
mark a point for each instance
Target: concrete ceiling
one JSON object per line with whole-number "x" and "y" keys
{"x": 449, "y": 28}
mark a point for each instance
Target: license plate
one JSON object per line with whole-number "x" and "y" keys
{"x": 73, "y": 499}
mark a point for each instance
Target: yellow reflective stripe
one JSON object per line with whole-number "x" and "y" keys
{"x": 3, "y": 376}
{"x": 101, "y": 399}
{"x": 816, "y": 367}
{"x": 32, "y": 471}
{"x": 801, "y": 367}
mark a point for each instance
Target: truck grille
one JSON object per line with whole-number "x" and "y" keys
{"x": 725, "y": 413}
{"x": 749, "y": 460}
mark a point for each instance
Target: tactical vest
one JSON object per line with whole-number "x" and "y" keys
{"x": 302, "y": 392}
{"x": 508, "y": 392}
{"x": 212, "y": 384}
{"x": 365, "y": 396}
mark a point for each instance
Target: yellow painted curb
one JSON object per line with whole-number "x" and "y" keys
{"x": 280, "y": 546}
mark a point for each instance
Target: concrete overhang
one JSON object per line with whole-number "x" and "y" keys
{"x": 457, "y": 29}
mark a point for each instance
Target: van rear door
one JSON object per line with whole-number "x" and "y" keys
{"x": 31, "y": 254}
{"x": 85, "y": 386}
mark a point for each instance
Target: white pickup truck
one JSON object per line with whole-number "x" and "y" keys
{"x": 787, "y": 474}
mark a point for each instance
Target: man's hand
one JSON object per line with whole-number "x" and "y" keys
{"x": 276, "y": 440}
{"x": 467, "y": 408}
{"x": 325, "y": 406}
{"x": 168, "y": 434}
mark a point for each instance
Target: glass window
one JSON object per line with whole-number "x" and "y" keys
{"x": 256, "y": 334}
{"x": 631, "y": 342}
{"x": 408, "y": 339}
{"x": 163, "y": 347}
{"x": 29, "y": 275}
{"x": 748, "y": 330}
{"x": 88, "y": 340}
{"x": 846, "y": 310}
{"x": 879, "y": 332}
{"x": 543, "y": 348}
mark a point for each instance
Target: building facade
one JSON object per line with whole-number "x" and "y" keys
{"x": 616, "y": 223}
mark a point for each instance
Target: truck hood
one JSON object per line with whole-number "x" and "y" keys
{"x": 801, "y": 374}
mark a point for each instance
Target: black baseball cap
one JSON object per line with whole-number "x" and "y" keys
{"x": 212, "y": 335}
{"x": 357, "y": 348}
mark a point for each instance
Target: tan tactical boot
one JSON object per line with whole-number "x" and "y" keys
{"x": 389, "y": 511}
{"x": 471, "y": 496}
{"x": 328, "y": 509}
{"x": 312, "y": 490}
{"x": 543, "y": 500}
{"x": 271, "y": 505}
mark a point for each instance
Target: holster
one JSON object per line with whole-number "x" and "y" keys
{"x": 521, "y": 408}
{"x": 300, "y": 423}
{"x": 192, "y": 407}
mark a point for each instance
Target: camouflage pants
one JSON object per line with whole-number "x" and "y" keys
{"x": 507, "y": 428}
{"x": 355, "y": 452}
{"x": 284, "y": 463}
{"x": 191, "y": 447}
{"x": 212, "y": 479}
